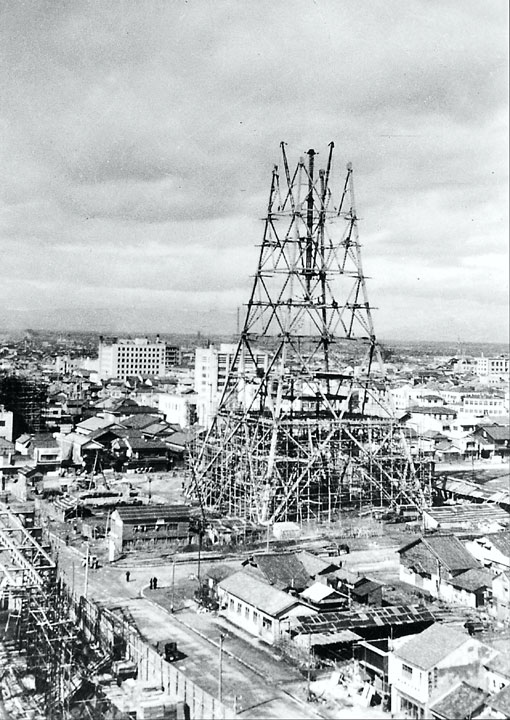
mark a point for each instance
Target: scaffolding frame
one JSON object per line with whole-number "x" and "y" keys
{"x": 43, "y": 620}
{"x": 297, "y": 434}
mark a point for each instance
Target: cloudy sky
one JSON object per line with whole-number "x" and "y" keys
{"x": 137, "y": 142}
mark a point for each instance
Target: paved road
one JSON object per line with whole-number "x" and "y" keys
{"x": 256, "y": 682}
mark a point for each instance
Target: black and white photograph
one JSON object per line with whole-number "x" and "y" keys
{"x": 254, "y": 360}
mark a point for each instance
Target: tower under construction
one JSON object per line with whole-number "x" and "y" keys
{"x": 303, "y": 427}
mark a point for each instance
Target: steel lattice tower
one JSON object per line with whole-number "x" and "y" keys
{"x": 296, "y": 434}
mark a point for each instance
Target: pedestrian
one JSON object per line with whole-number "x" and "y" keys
{"x": 128, "y": 575}
{"x": 151, "y": 583}
{"x": 155, "y": 582}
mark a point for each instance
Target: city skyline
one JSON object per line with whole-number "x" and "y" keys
{"x": 139, "y": 139}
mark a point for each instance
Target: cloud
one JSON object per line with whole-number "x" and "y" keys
{"x": 138, "y": 142}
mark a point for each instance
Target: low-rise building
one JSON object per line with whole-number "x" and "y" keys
{"x": 497, "y": 673}
{"x": 145, "y": 527}
{"x": 462, "y": 701}
{"x": 46, "y": 452}
{"x": 498, "y": 706}
{"x": 441, "y": 565}
{"x": 253, "y": 605}
{"x": 500, "y": 602}
{"x": 372, "y": 656}
{"x": 492, "y": 441}
{"x": 492, "y": 550}
{"x": 423, "y": 668}
{"x": 179, "y": 408}
{"x": 6, "y": 424}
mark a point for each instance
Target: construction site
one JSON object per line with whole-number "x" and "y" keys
{"x": 65, "y": 655}
{"x": 115, "y": 602}
{"x": 299, "y": 432}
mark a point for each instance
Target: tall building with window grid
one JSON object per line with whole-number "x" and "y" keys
{"x": 125, "y": 357}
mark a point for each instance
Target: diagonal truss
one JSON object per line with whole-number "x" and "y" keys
{"x": 298, "y": 431}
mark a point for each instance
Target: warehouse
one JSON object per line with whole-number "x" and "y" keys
{"x": 148, "y": 527}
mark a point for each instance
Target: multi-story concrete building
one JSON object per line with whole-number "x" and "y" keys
{"x": 485, "y": 403}
{"x": 123, "y": 357}
{"x": 6, "y": 423}
{"x": 179, "y": 408}
{"x": 497, "y": 366}
{"x": 212, "y": 366}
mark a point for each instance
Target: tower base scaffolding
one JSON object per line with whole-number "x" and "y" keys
{"x": 314, "y": 469}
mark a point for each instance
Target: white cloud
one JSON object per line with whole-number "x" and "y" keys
{"x": 139, "y": 139}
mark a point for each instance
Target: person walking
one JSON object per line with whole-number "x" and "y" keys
{"x": 151, "y": 584}
{"x": 128, "y": 575}
{"x": 154, "y": 583}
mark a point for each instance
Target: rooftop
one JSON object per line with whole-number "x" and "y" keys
{"x": 501, "y": 701}
{"x": 374, "y": 617}
{"x": 432, "y": 410}
{"x": 500, "y": 664}
{"x": 463, "y": 701}
{"x": 472, "y": 514}
{"x": 429, "y": 647}
{"x": 283, "y": 570}
{"x": 258, "y": 593}
{"x": 473, "y": 579}
{"x": 315, "y": 565}
{"x": 44, "y": 440}
{"x": 140, "y": 420}
{"x": 147, "y": 513}
{"x": 447, "y": 549}
{"x": 501, "y": 541}
{"x": 495, "y": 432}
{"x": 318, "y": 592}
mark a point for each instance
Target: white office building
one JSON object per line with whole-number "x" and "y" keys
{"x": 126, "y": 357}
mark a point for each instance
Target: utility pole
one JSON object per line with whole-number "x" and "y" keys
{"x": 86, "y": 585}
{"x": 220, "y": 670}
{"x": 173, "y": 585}
{"x": 309, "y": 666}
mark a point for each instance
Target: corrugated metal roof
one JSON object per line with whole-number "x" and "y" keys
{"x": 373, "y": 617}
{"x": 146, "y": 513}
{"x": 468, "y": 514}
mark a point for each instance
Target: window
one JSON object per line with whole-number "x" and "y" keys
{"x": 407, "y": 670}
{"x": 432, "y": 679}
{"x": 266, "y": 623}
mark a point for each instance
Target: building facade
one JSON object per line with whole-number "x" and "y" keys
{"x": 212, "y": 366}
{"x": 425, "y": 666}
{"x": 6, "y": 424}
{"x": 125, "y": 357}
